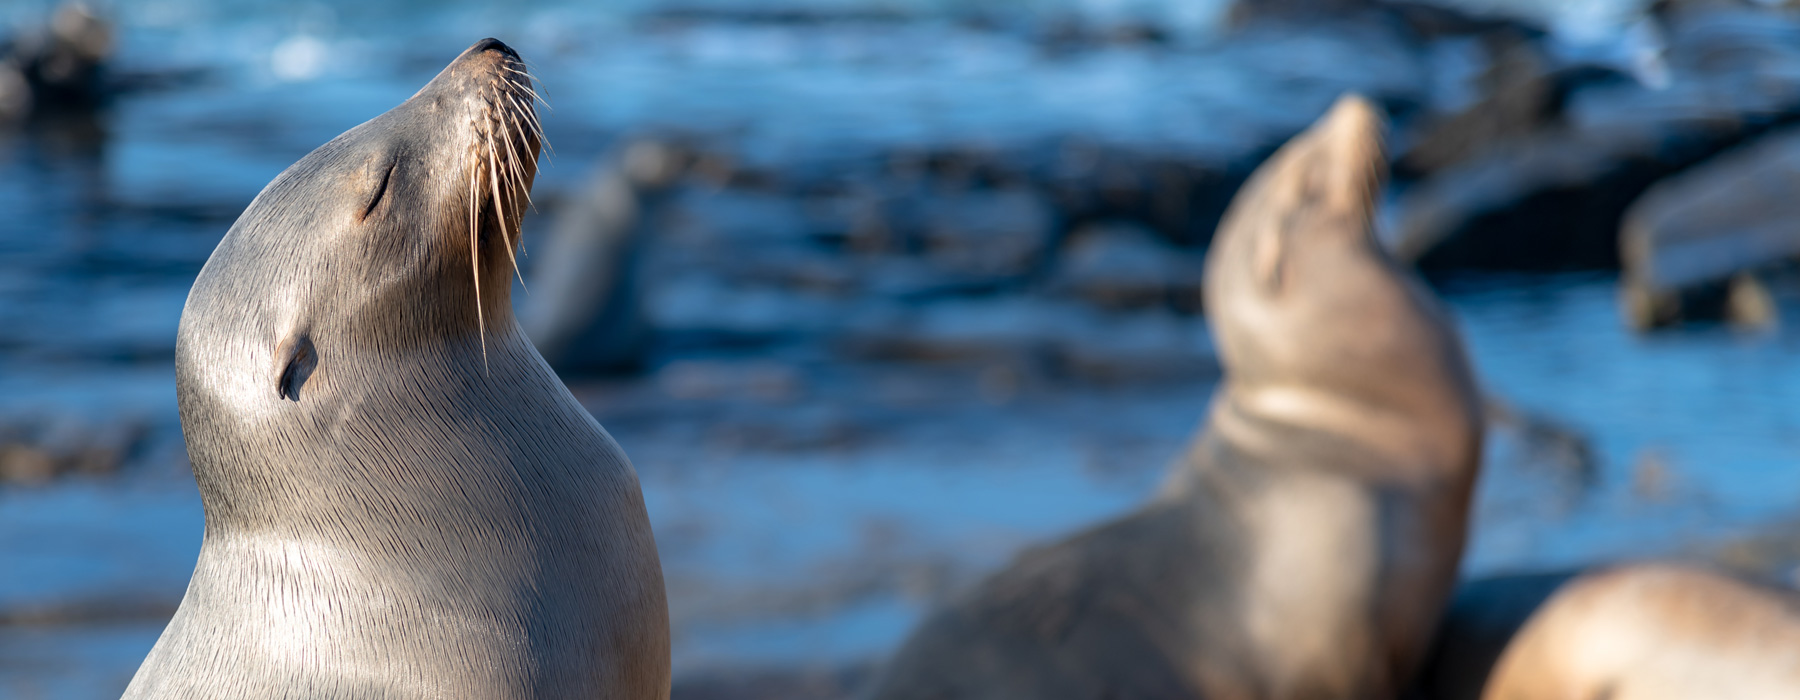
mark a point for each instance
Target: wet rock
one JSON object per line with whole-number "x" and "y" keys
{"x": 1520, "y": 91}
{"x": 1015, "y": 330}
{"x": 1137, "y": 348}
{"x": 1247, "y": 11}
{"x": 698, "y": 303}
{"x": 1180, "y": 197}
{"x": 62, "y": 66}
{"x": 1545, "y": 444}
{"x": 1068, "y": 34}
{"x": 726, "y": 218}
{"x": 1554, "y": 198}
{"x": 585, "y": 312}
{"x": 797, "y": 429}
{"x": 1123, "y": 266}
{"x": 1689, "y": 244}
{"x": 35, "y": 450}
{"x": 772, "y": 684}
{"x": 1031, "y": 336}
{"x": 1002, "y": 233}
{"x": 714, "y": 380}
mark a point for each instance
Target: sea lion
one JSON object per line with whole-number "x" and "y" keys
{"x": 586, "y": 313}
{"x": 402, "y": 500}
{"x": 1655, "y": 631}
{"x": 1305, "y": 543}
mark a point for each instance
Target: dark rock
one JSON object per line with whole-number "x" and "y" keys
{"x": 1554, "y": 198}
{"x": 1481, "y": 620}
{"x": 1033, "y": 336}
{"x": 703, "y": 307}
{"x": 62, "y": 66}
{"x": 1119, "y": 266}
{"x": 714, "y": 380}
{"x": 1013, "y": 330}
{"x": 1003, "y": 233}
{"x": 1521, "y": 92}
{"x": 1137, "y": 348}
{"x": 1686, "y": 244}
{"x": 772, "y": 684}
{"x": 707, "y": 217}
{"x": 1181, "y": 197}
{"x": 1247, "y": 11}
{"x": 36, "y": 450}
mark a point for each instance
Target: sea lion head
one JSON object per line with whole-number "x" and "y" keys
{"x": 393, "y": 242}
{"x": 1314, "y": 322}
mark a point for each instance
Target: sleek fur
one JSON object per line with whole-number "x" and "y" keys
{"x": 1305, "y": 544}
{"x": 402, "y": 500}
{"x": 1655, "y": 632}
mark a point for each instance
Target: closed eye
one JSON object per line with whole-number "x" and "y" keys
{"x": 380, "y": 190}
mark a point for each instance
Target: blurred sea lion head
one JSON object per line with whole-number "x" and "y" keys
{"x": 1314, "y": 322}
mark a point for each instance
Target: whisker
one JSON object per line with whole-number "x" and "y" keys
{"x": 537, "y": 127}
{"x": 475, "y": 263}
{"x": 518, "y": 170}
{"x": 500, "y": 211}
{"x": 534, "y": 95}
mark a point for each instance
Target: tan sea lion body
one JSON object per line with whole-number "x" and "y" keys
{"x": 1655, "y": 632}
{"x": 1304, "y": 545}
{"x": 402, "y": 500}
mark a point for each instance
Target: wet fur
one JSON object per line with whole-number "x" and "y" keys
{"x": 402, "y": 500}
{"x": 1305, "y": 543}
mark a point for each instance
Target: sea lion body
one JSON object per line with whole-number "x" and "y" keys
{"x": 402, "y": 500}
{"x": 1655, "y": 632}
{"x": 1305, "y": 543}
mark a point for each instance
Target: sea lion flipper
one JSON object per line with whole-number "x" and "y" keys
{"x": 295, "y": 360}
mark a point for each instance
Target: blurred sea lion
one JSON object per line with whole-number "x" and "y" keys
{"x": 1655, "y": 631}
{"x": 586, "y": 311}
{"x": 1306, "y": 542}
{"x": 402, "y": 500}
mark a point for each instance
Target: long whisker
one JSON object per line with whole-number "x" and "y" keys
{"x": 475, "y": 262}
{"x": 518, "y": 171}
{"x": 537, "y": 128}
{"x": 500, "y": 211}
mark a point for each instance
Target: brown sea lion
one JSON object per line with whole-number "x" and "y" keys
{"x": 402, "y": 500}
{"x": 1655, "y": 632}
{"x": 1305, "y": 543}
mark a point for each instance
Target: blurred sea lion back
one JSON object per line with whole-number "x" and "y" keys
{"x": 1655, "y": 632}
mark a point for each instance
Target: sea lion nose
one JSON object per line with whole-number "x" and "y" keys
{"x": 492, "y": 44}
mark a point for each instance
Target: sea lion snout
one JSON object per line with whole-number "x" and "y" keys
{"x": 494, "y": 45}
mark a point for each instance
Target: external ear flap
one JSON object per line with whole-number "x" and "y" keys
{"x": 295, "y": 360}
{"x": 380, "y": 172}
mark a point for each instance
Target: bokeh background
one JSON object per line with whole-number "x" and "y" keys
{"x": 891, "y": 288}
